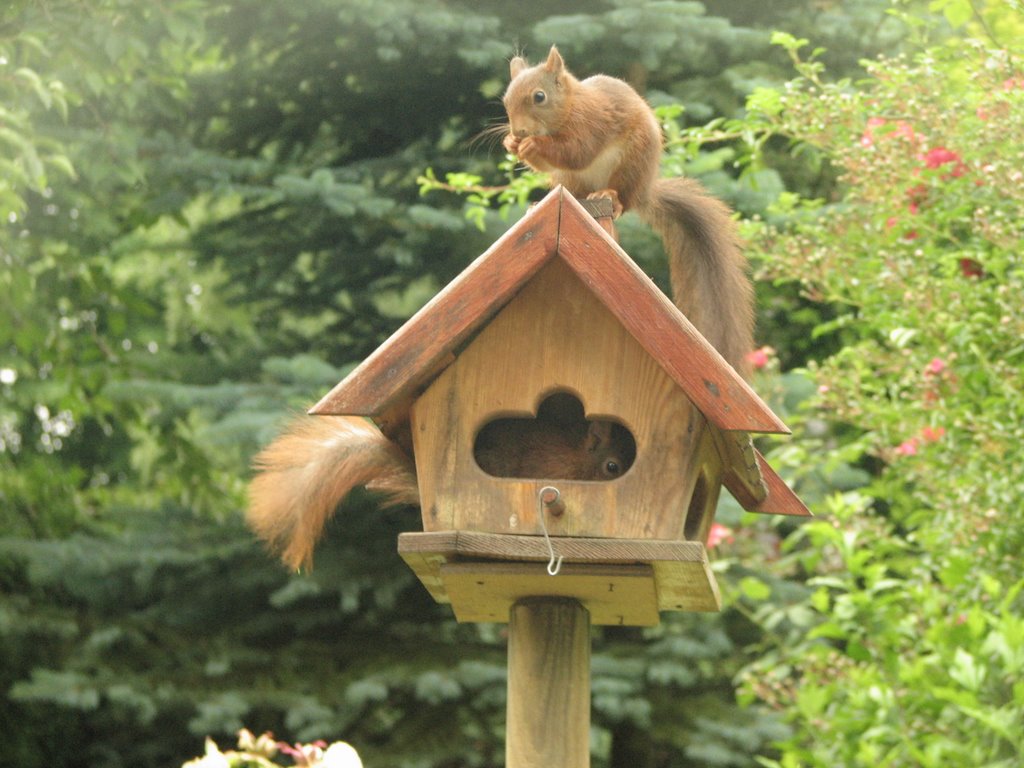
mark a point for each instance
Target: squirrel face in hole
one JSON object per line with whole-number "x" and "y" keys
{"x": 559, "y": 444}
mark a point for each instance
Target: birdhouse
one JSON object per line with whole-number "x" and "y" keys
{"x": 561, "y": 409}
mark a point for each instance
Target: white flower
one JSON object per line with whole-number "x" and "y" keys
{"x": 213, "y": 758}
{"x": 340, "y": 755}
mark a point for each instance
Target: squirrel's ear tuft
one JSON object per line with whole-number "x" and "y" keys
{"x": 554, "y": 64}
{"x": 517, "y": 65}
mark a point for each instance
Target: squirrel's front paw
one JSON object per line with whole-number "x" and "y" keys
{"x": 529, "y": 150}
{"x": 511, "y": 143}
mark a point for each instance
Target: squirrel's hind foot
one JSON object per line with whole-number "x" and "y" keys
{"x": 610, "y": 194}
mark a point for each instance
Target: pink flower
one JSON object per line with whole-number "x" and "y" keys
{"x": 907, "y": 447}
{"x": 936, "y": 366}
{"x": 867, "y": 139}
{"x": 904, "y": 130}
{"x": 940, "y": 156}
{"x": 759, "y": 358}
{"x": 718, "y": 534}
{"x": 304, "y": 754}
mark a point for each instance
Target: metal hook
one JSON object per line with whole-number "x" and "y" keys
{"x": 548, "y": 497}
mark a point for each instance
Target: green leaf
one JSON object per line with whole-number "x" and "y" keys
{"x": 32, "y": 79}
{"x": 754, "y": 589}
{"x": 966, "y": 670}
{"x": 788, "y": 41}
{"x": 765, "y": 101}
{"x": 957, "y": 12}
{"x": 63, "y": 164}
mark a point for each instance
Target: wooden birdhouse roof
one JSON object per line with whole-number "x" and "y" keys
{"x": 385, "y": 385}
{"x": 558, "y": 227}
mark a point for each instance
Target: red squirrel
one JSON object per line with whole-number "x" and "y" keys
{"x": 306, "y": 472}
{"x": 560, "y": 444}
{"x": 598, "y": 138}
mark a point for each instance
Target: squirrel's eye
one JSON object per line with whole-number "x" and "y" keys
{"x": 539, "y": 97}
{"x": 611, "y": 468}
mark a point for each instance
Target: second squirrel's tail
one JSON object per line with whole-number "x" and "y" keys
{"x": 305, "y": 473}
{"x": 708, "y": 270}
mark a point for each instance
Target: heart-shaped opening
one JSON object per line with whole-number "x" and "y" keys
{"x": 559, "y": 444}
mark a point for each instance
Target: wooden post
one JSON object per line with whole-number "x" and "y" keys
{"x": 548, "y": 721}
{"x": 603, "y": 211}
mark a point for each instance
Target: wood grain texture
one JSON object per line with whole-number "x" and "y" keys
{"x": 558, "y": 224}
{"x": 548, "y": 714}
{"x": 682, "y": 575}
{"x": 556, "y": 335}
{"x": 555, "y": 304}
{"x": 496, "y": 546}
{"x": 414, "y": 353}
{"x": 620, "y": 595}
{"x": 742, "y": 474}
{"x": 704, "y": 490}
{"x": 602, "y": 211}
{"x": 686, "y": 587}
{"x": 716, "y": 389}
{"x": 780, "y": 499}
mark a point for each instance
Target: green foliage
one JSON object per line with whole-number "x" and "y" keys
{"x": 479, "y": 200}
{"x": 907, "y": 649}
{"x": 27, "y": 163}
{"x": 211, "y": 213}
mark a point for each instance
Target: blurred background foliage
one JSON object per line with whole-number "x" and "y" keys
{"x": 210, "y": 213}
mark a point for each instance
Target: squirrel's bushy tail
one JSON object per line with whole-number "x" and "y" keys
{"x": 305, "y": 473}
{"x": 708, "y": 269}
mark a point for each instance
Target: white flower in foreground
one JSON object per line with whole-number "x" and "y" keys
{"x": 213, "y": 758}
{"x": 340, "y": 755}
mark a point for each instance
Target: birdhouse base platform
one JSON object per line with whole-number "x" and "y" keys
{"x": 613, "y": 594}
{"x": 619, "y": 581}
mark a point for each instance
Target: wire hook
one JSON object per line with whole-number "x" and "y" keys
{"x": 548, "y": 497}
